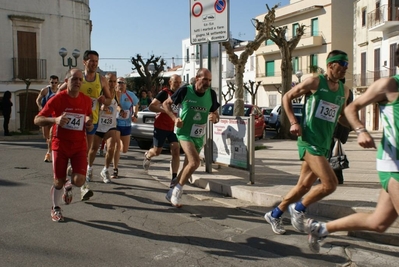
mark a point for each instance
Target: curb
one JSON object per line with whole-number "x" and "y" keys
{"x": 34, "y": 136}
{"x": 259, "y": 202}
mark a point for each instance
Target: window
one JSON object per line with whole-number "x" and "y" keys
{"x": 294, "y": 28}
{"x": 315, "y": 27}
{"x": 269, "y": 42}
{"x": 363, "y": 69}
{"x": 313, "y": 63}
{"x": 26, "y": 39}
{"x": 377, "y": 11}
{"x": 392, "y": 67}
{"x": 269, "y": 68}
{"x": 27, "y": 58}
{"x": 187, "y": 55}
{"x": 364, "y": 15}
{"x": 377, "y": 60}
{"x": 295, "y": 64}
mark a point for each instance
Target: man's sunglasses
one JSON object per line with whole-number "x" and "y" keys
{"x": 343, "y": 63}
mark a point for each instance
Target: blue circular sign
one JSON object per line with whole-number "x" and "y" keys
{"x": 220, "y": 6}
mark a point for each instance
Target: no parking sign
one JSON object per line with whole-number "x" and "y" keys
{"x": 209, "y": 21}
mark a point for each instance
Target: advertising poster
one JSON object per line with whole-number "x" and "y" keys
{"x": 230, "y": 141}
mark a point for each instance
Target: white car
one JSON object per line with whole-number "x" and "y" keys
{"x": 143, "y": 129}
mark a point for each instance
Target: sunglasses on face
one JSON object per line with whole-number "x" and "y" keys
{"x": 342, "y": 63}
{"x": 54, "y": 82}
{"x": 121, "y": 82}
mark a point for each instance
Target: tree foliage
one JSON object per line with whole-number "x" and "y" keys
{"x": 230, "y": 92}
{"x": 149, "y": 70}
{"x": 251, "y": 90}
{"x": 263, "y": 33}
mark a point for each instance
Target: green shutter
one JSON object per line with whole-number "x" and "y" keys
{"x": 315, "y": 27}
{"x": 269, "y": 68}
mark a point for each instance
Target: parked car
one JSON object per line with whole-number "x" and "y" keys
{"x": 274, "y": 119}
{"x": 227, "y": 110}
{"x": 266, "y": 115}
{"x": 143, "y": 129}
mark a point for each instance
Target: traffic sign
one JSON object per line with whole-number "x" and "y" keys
{"x": 209, "y": 21}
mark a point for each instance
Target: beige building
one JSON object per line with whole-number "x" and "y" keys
{"x": 329, "y": 26}
{"x": 32, "y": 33}
{"x": 375, "y": 41}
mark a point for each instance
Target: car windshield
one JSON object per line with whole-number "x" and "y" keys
{"x": 267, "y": 111}
{"x": 227, "y": 110}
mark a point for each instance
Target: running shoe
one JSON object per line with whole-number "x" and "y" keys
{"x": 146, "y": 162}
{"x": 169, "y": 194}
{"x": 85, "y": 192}
{"x": 101, "y": 153}
{"x": 47, "y": 158}
{"x": 297, "y": 218}
{"x": 115, "y": 174}
{"x": 56, "y": 214}
{"x": 89, "y": 175}
{"x": 105, "y": 175}
{"x": 312, "y": 227}
{"x": 276, "y": 223}
{"x": 175, "y": 198}
{"x": 67, "y": 196}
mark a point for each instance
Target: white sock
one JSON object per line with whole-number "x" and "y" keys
{"x": 88, "y": 167}
{"x": 179, "y": 186}
{"x": 56, "y": 196}
{"x": 323, "y": 230}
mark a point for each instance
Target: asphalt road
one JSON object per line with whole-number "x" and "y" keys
{"x": 129, "y": 223}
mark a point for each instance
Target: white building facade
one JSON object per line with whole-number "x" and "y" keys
{"x": 376, "y": 39}
{"x": 329, "y": 26}
{"x": 192, "y": 62}
{"x": 32, "y": 34}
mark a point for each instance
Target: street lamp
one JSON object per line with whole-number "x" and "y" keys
{"x": 63, "y": 53}
{"x": 299, "y": 74}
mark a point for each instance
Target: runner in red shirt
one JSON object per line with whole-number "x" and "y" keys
{"x": 70, "y": 114}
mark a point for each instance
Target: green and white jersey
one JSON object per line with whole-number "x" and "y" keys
{"x": 388, "y": 149}
{"x": 194, "y": 113}
{"x": 321, "y": 114}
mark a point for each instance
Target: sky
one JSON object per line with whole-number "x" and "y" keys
{"x": 124, "y": 28}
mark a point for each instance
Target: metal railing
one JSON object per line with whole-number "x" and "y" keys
{"x": 278, "y": 73}
{"x": 366, "y": 79}
{"x": 305, "y": 35}
{"x": 29, "y": 68}
{"x": 381, "y": 15}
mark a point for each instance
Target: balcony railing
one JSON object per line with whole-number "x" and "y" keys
{"x": 278, "y": 73}
{"x": 29, "y": 68}
{"x": 366, "y": 79}
{"x": 382, "y": 15}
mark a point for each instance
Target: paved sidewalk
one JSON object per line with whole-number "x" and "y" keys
{"x": 276, "y": 172}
